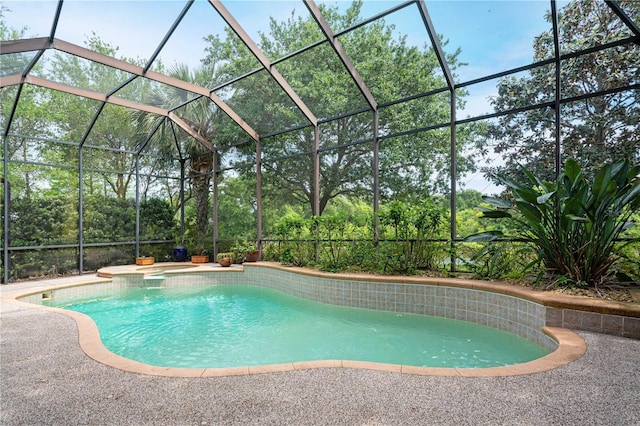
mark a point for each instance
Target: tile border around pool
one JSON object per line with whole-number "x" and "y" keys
{"x": 561, "y": 310}
{"x": 570, "y": 346}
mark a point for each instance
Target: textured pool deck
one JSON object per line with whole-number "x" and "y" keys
{"x": 45, "y": 378}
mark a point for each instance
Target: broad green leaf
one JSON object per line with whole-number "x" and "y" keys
{"x": 483, "y": 237}
{"x": 619, "y": 172}
{"x": 578, "y": 218}
{"x": 508, "y": 182}
{"x": 572, "y": 170}
{"x": 545, "y": 197}
{"x": 531, "y": 177}
{"x": 573, "y": 206}
{"x": 498, "y": 202}
{"x": 527, "y": 194}
{"x": 628, "y": 225}
{"x": 530, "y": 212}
{"x": 566, "y": 181}
{"x": 496, "y": 214}
{"x": 602, "y": 181}
{"x": 633, "y": 194}
{"x": 634, "y": 172}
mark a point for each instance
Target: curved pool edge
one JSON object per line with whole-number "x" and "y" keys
{"x": 571, "y": 347}
{"x": 548, "y": 299}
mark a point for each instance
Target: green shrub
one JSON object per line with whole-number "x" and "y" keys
{"x": 497, "y": 259}
{"x": 293, "y": 229}
{"x": 156, "y": 220}
{"x": 336, "y": 237}
{"x": 412, "y": 227}
{"x": 573, "y": 223}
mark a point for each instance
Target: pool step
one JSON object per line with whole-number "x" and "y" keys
{"x": 154, "y": 277}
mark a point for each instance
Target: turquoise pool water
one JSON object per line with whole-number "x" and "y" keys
{"x": 236, "y": 325}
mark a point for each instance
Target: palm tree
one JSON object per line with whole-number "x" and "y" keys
{"x": 204, "y": 118}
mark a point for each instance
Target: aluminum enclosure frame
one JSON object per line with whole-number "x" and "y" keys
{"x": 43, "y": 44}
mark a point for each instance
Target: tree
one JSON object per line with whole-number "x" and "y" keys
{"x": 203, "y": 118}
{"x": 595, "y": 130}
{"x": 28, "y": 119}
{"x": 112, "y": 137}
{"x": 237, "y": 208}
{"x": 320, "y": 79}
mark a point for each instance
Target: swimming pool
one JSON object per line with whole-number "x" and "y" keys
{"x": 222, "y": 326}
{"x": 514, "y": 310}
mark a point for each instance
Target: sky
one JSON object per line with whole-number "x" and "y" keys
{"x": 480, "y": 28}
{"x": 493, "y": 35}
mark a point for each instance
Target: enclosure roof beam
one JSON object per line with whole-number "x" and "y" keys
{"x": 187, "y": 128}
{"x": 437, "y": 46}
{"x": 56, "y": 19}
{"x": 25, "y": 45}
{"x": 41, "y": 82}
{"x": 20, "y": 82}
{"x": 337, "y": 47}
{"x": 164, "y": 41}
{"x": 624, "y": 17}
{"x": 94, "y": 120}
{"x": 150, "y": 135}
{"x": 262, "y": 58}
{"x": 151, "y": 75}
{"x": 11, "y": 80}
{"x": 17, "y": 46}
{"x": 14, "y": 107}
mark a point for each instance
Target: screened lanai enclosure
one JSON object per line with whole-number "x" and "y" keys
{"x": 345, "y": 135}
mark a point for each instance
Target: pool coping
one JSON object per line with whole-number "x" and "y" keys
{"x": 570, "y": 345}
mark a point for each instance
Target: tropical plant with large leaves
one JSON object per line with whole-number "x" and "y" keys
{"x": 574, "y": 222}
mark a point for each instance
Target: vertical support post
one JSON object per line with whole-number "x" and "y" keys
{"x": 448, "y": 75}
{"x": 316, "y": 185}
{"x": 454, "y": 172}
{"x": 558, "y": 87}
{"x": 376, "y": 176}
{"x": 7, "y": 210}
{"x": 7, "y": 186}
{"x": 80, "y": 211}
{"x": 137, "y": 205}
{"x": 259, "y": 194}
{"x": 216, "y": 206}
{"x": 316, "y": 171}
{"x": 182, "y": 162}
